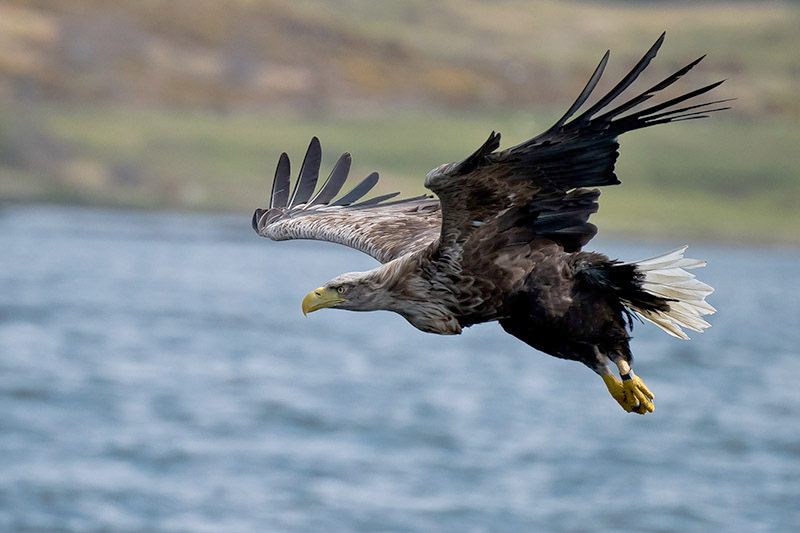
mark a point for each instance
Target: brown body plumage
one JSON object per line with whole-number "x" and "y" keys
{"x": 503, "y": 241}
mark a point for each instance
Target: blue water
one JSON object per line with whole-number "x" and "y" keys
{"x": 157, "y": 375}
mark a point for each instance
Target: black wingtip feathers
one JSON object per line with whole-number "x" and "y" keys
{"x": 254, "y": 222}
{"x": 657, "y": 114}
{"x": 309, "y": 173}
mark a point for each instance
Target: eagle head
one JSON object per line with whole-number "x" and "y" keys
{"x": 388, "y": 287}
{"x": 354, "y": 291}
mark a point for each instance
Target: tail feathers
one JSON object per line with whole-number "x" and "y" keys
{"x": 665, "y": 277}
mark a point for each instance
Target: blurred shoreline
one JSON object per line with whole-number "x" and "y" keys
{"x": 703, "y": 179}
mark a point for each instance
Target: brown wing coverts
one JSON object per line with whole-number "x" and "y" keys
{"x": 539, "y": 184}
{"x": 384, "y": 230}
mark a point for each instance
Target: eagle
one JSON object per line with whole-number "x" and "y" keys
{"x": 502, "y": 239}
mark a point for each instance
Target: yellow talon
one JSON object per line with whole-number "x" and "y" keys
{"x": 638, "y": 394}
{"x": 632, "y": 394}
{"x": 616, "y": 390}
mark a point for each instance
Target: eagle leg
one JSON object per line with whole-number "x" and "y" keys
{"x": 631, "y": 393}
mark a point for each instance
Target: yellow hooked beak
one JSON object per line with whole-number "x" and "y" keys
{"x": 319, "y": 299}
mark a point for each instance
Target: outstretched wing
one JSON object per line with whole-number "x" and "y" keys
{"x": 539, "y": 186}
{"x": 385, "y": 230}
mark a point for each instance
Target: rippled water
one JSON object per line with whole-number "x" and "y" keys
{"x": 156, "y": 374}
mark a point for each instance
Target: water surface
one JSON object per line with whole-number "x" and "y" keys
{"x": 156, "y": 374}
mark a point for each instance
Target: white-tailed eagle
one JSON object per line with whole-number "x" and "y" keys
{"x": 504, "y": 239}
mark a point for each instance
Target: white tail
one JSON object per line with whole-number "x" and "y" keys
{"x": 664, "y": 276}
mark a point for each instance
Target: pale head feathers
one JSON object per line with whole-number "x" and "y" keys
{"x": 398, "y": 286}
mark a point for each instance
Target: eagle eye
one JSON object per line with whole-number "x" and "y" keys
{"x": 340, "y": 289}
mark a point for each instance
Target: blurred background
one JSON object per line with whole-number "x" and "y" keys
{"x": 156, "y": 373}
{"x": 187, "y": 104}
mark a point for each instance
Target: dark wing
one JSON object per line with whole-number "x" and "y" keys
{"x": 539, "y": 186}
{"x": 385, "y": 230}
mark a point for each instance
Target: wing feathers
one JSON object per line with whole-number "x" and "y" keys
{"x": 538, "y": 185}
{"x": 359, "y": 190}
{"x": 531, "y": 184}
{"x": 384, "y": 230}
{"x": 309, "y": 173}
{"x": 625, "y": 82}
{"x": 590, "y": 85}
{"x": 335, "y": 181}
{"x": 678, "y": 112}
{"x": 478, "y": 156}
{"x": 280, "y": 184}
{"x": 376, "y": 200}
{"x": 649, "y": 93}
{"x": 650, "y": 116}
